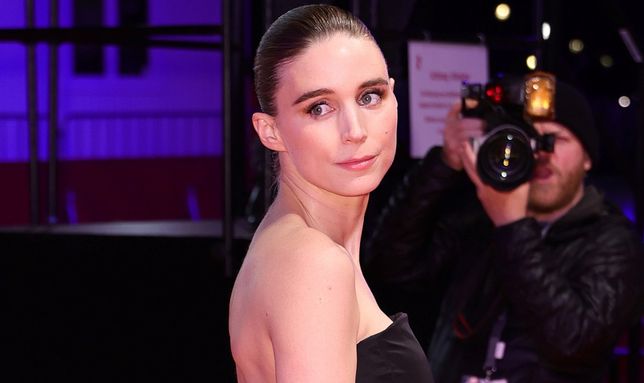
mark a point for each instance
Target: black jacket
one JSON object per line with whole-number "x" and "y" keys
{"x": 568, "y": 290}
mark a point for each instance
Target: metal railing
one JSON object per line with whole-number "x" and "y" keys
{"x": 149, "y": 36}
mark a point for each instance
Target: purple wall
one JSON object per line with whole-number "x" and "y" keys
{"x": 130, "y": 147}
{"x": 172, "y": 109}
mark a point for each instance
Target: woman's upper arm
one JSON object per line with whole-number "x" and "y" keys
{"x": 313, "y": 316}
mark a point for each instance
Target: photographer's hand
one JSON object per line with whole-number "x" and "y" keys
{"x": 503, "y": 207}
{"x": 456, "y": 132}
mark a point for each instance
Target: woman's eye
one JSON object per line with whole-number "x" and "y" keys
{"x": 319, "y": 109}
{"x": 370, "y": 98}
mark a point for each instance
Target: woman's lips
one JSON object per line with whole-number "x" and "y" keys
{"x": 358, "y": 163}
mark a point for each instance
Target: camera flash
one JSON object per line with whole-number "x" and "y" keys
{"x": 540, "y": 96}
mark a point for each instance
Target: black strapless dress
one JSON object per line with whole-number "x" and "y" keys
{"x": 393, "y": 355}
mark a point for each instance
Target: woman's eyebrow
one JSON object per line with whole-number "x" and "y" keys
{"x": 323, "y": 91}
{"x": 312, "y": 94}
{"x": 374, "y": 82}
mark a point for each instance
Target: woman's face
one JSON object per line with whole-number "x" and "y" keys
{"x": 337, "y": 116}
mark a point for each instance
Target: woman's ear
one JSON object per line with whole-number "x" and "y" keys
{"x": 266, "y": 129}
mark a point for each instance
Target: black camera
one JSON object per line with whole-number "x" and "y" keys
{"x": 505, "y": 155}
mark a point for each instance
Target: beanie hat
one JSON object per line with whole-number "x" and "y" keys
{"x": 573, "y": 111}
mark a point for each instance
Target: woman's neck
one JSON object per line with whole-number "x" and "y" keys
{"x": 339, "y": 217}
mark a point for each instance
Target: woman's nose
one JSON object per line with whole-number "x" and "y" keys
{"x": 353, "y": 129}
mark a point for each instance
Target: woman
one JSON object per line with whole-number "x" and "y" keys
{"x": 300, "y": 310}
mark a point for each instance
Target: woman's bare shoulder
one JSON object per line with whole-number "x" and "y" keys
{"x": 311, "y": 308}
{"x": 294, "y": 258}
{"x": 298, "y": 286}
{"x": 295, "y": 243}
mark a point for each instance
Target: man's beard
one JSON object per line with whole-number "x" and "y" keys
{"x": 551, "y": 197}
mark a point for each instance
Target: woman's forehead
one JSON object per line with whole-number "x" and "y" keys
{"x": 339, "y": 59}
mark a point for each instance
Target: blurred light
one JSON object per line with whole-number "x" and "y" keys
{"x": 538, "y": 93}
{"x": 631, "y": 45}
{"x": 545, "y": 31}
{"x": 502, "y": 12}
{"x": 531, "y": 62}
{"x": 606, "y": 61}
{"x": 576, "y": 46}
{"x": 494, "y": 93}
{"x": 624, "y": 101}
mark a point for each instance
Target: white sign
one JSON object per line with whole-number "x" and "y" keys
{"x": 436, "y": 73}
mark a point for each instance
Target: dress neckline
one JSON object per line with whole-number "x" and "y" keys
{"x": 395, "y": 319}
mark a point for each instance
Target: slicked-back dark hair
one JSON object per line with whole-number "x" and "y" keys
{"x": 291, "y": 34}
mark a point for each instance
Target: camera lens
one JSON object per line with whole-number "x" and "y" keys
{"x": 505, "y": 158}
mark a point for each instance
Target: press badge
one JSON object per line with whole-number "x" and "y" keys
{"x": 476, "y": 379}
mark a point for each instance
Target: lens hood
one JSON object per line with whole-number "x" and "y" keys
{"x": 505, "y": 157}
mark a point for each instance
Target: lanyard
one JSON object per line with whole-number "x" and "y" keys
{"x": 490, "y": 357}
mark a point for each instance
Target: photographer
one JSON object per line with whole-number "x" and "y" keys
{"x": 533, "y": 283}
